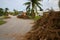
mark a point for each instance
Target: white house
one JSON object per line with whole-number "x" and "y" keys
{"x": 40, "y": 13}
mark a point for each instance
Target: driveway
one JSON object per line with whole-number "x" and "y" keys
{"x": 15, "y": 28}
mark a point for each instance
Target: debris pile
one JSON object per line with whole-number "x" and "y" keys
{"x": 46, "y": 28}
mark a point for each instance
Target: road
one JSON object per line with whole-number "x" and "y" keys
{"x": 15, "y": 28}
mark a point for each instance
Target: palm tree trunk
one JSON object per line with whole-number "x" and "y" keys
{"x": 33, "y": 14}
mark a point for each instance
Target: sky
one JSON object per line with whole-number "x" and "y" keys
{"x": 50, "y": 4}
{"x": 19, "y": 4}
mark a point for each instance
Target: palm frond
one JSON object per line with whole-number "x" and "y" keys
{"x": 39, "y": 3}
{"x": 27, "y": 3}
{"x": 39, "y": 7}
{"x": 28, "y": 7}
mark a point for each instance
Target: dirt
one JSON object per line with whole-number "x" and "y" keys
{"x": 15, "y": 28}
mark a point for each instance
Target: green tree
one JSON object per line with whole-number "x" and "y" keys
{"x": 1, "y": 11}
{"x": 6, "y": 11}
{"x": 28, "y": 7}
{"x": 15, "y": 12}
{"x": 59, "y": 3}
{"x": 32, "y": 6}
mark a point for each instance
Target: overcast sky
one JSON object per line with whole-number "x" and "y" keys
{"x": 18, "y": 4}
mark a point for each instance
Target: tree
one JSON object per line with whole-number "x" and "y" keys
{"x": 6, "y": 11}
{"x": 28, "y": 7}
{"x": 1, "y": 11}
{"x": 32, "y": 6}
{"x": 15, "y": 12}
{"x": 59, "y": 3}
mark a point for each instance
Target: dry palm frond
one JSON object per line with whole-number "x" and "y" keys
{"x": 46, "y": 28}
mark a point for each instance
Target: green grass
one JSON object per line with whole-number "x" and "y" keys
{"x": 37, "y": 17}
{"x": 2, "y": 22}
{"x": 5, "y": 17}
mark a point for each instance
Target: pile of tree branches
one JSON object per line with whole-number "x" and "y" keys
{"x": 46, "y": 28}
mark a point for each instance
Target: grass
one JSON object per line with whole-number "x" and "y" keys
{"x": 2, "y": 22}
{"x": 4, "y": 17}
{"x": 37, "y": 17}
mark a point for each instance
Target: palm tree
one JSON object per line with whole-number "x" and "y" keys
{"x": 15, "y": 12}
{"x": 6, "y": 11}
{"x": 32, "y": 6}
{"x": 28, "y": 7}
{"x": 1, "y": 11}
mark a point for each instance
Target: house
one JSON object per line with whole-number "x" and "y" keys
{"x": 40, "y": 13}
{"x": 20, "y": 12}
